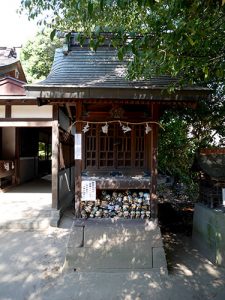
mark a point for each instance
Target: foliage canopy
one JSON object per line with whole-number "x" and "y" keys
{"x": 37, "y": 55}
{"x": 187, "y": 131}
{"x": 181, "y": 38}
{"x": 184, "y": 38}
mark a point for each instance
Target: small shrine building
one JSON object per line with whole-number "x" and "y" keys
{"x": 102, "y": 128}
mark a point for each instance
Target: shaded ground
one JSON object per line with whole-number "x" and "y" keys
{"x": 26, "y": 206}
{"x": 175, "y": 214}
{"x": 31, "y": 261}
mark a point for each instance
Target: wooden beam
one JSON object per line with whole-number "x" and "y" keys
{"x": 55, "y": 164}
{"x": 69, "y": 111}
{"x": 55, "y": 112}
{"x": 78, "y": 163}
{"x": 17, "y": 156}
{"x": 26, "y": 123}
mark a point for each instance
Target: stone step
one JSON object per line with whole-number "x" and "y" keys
{"x": 105, "y": 247}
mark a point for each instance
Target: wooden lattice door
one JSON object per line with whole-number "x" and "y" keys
{"x": 90, "y": 148}
{"x": 116, "y": 149}
{"x": 106, "y": 149}
{"x": 139, "y": 149}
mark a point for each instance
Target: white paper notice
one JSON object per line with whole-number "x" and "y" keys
{"x": 88, "y": 190}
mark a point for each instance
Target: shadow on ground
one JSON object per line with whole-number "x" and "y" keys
{"x": 30, "y": 263}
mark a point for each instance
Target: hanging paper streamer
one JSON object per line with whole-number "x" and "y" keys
{"x": 124, "y": 125}
{"x": 126, "y": 128}
{"x": 86, "y": 128}
{"x": 147, "y": 128}
{"x": 105, "y": 128}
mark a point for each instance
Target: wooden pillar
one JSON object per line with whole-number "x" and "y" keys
{"x": 8, "y": 111}
{"x": 55, "y": 164}
{"x": 154, "y": 164}
{"x": 17, "y": 157}
{"x": 78, "y": 161}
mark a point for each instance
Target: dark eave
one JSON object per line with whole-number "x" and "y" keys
{"x": 8, "y": 65}
{"x": 154, "y": 94}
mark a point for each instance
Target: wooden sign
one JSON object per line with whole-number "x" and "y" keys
{"x": 223, "y": 197}
{"x": 78, "y": 146}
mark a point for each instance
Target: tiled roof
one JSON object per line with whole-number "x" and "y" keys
{"x": 85, "y": 68}
{"x": 8, "y": 56}
{"x": 213, "y": 165}
{"x": 85, "y": 74}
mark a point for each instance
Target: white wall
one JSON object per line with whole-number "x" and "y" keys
{"x": 2, "y": 111}
{"x": 31, "y": 111}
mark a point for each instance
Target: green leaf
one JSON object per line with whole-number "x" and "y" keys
{"x": 140, "y": 3}
{"x": 52, "y": 34}
{"x": 68, "y": 36}
{"x": 90, "y": 8}
{"x": 27, "y": 3}
{"x": 190, "y": 40}
{"x": 97, "y": 30}
{"x": 150, "y": 2}
{"x": 206, "y": 71}
{"x": 81, "y": 39}
{"x": 120, "y": 54}
{"x": 94, "y": 44}
{"x": 102, "y": 4}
